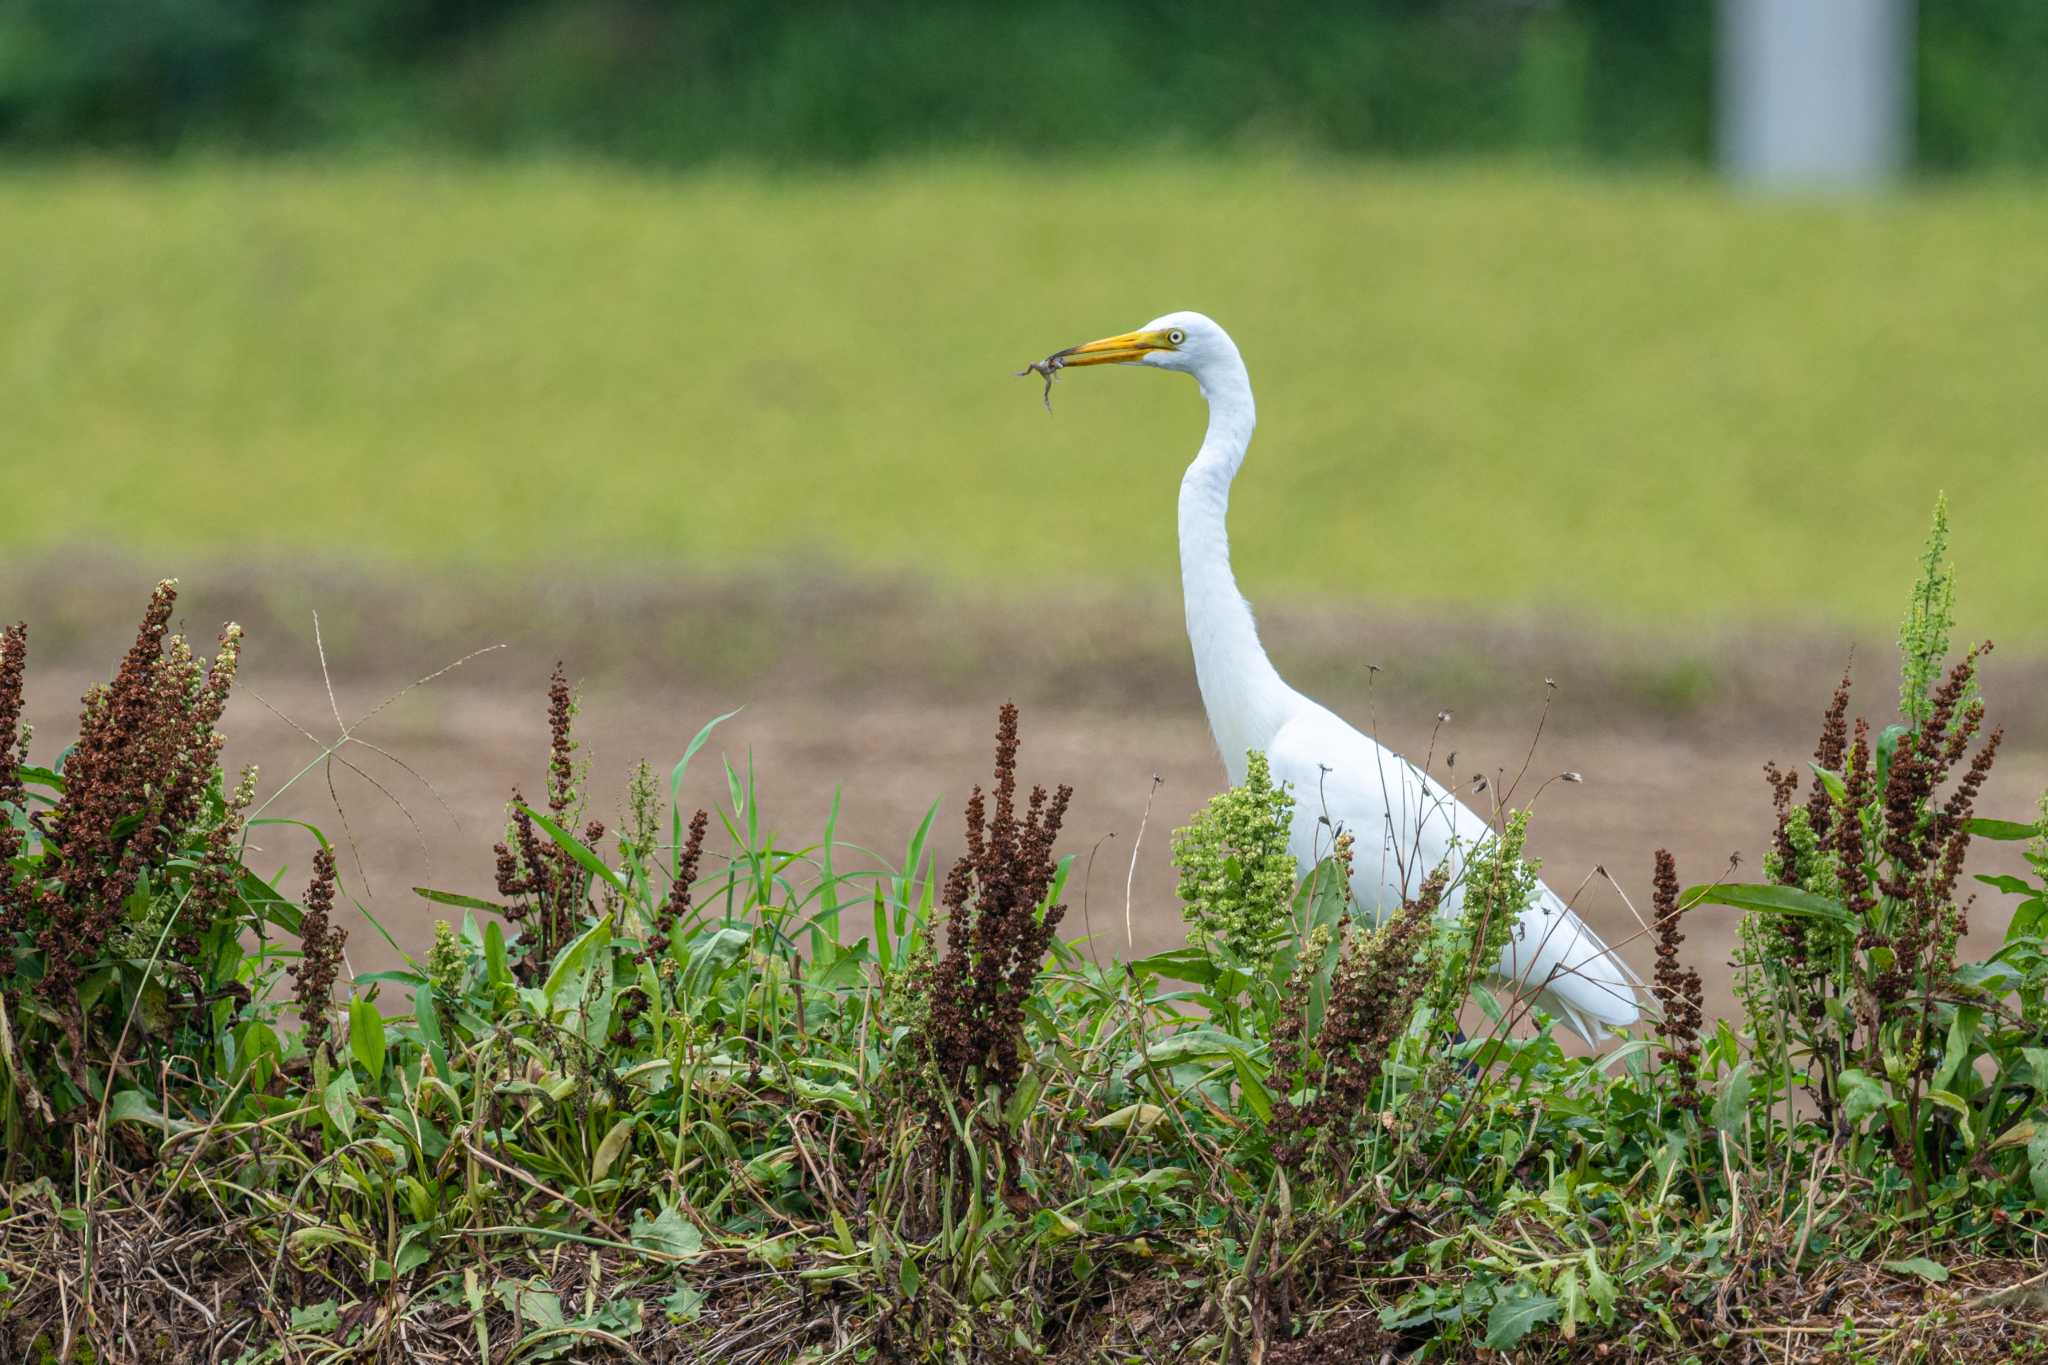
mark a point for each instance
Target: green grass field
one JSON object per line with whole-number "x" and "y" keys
{"x": 1481, "y": 388}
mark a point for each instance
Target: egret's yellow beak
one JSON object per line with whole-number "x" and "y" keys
{"x": 1117, "y": 350}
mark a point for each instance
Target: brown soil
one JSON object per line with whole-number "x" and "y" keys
{"x": 891, "y": 695}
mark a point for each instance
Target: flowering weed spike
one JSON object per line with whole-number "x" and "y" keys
{"x": 1930, "y": 616}
{"x": 1236, "y": 870}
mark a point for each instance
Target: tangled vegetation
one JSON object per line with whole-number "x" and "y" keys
{"x": 681, "y": 1097}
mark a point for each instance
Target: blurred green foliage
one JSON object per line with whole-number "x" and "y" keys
{"x": 662, "y": 82}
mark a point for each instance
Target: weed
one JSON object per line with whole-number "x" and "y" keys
{"x": 663, "y": 1102}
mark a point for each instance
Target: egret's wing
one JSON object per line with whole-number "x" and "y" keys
{"x": 1404, "y": 825}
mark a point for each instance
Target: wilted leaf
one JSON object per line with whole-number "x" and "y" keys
{"x": 1140, "y": 1116}
{"x": 608, "y": 1150}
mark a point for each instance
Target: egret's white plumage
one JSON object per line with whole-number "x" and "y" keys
{"x": 1403, "y": 823}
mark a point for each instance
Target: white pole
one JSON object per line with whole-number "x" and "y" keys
{"x": 1815, "y": 95}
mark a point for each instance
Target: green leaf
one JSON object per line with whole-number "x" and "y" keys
{"x": 1832, "y": 781}
{"x": 2012, "y": 886}
{"x": 573, "y": 962}
{"x": 577, "y": 849}
{"x": 1192, "y": 1044}
{"x": 1599, "y": 1286}
{"x": 1517, "y": 1310}
{"x": 458, "y": 900}
{"x": 2037, "y": 1163}
{"x": 534, "y": 1303}
{"x": 1862, "y": 1095}
{"x": 496, "y": 969}
{"x": 335, "y": 1099}
{"x": 1921, "y": 1266}
{"x": 323, "y": 1317}
{"x": 366, "y": 1037}
{"x": 414, "y": 1251}
{"x": 1731, "y": 1106}
{"x": 675, "y": 785}
{"x": 1252, "y": 1086}
{"x": 426, "y": 1015}
{"x": 714, "y": 955}
{"x": 2029, "y": 920}
{"x": 132, "y": 1106}
{"x": 1766, "y": 899}
{"x": 1961, "y": 1045}
{"x": 686, "y": 1304}
{"x": 667, "y": 1233}
{"x": 2008, "y": 831}
{"x": 1180, "y": 964}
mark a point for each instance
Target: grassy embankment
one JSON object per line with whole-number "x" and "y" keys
{"x": 658, "y": 1098}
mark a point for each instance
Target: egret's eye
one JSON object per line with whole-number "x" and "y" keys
{"x": 1176, "y": 336}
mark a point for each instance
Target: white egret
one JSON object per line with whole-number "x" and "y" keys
{"x": 1403, "y": 823}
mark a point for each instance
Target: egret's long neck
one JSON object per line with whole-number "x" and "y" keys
{"x": 1245, "y": 698}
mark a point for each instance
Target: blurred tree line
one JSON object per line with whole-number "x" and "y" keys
{"x": 680, "y": 82}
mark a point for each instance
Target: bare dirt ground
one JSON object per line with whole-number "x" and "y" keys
{"x": 891, "y": 697}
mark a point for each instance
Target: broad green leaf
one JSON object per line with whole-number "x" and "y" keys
{"x": 337, "y": 1098}
{"x": 1766, "y": 899}
{"x": 323, "y": 1317}
{"x": 1862, "y": 1095}
{"x": 366, "y": 1037}
{"x": 667, "y": 1233}
{"x": 1252, "y": 1086}
{"x": 714, "y": 954}
{"x": 132, "y": 1106}
{"x": 426, "y": 1013}
{"x": 1515, "y": 1312}
{"x": 1181, "y": 964}
{"x": 2037, "y": 1163}
{"x": 394, "y": 977}
{"x": 1191, "y": 1044}
{"x": 2012, "y": 886}
{"x": 1599, "y": 1286}
{"x": 2009, "y": 831}
{"x": 496, "y": 969}
{"x": 1731, "y": 1106}
{"x": 573, "y": 962}
{"x": 2029, "y": 920}
{"x": 533, "y": 1303}
{"x": 1572, "y": 1300}
{"x": 1832, "y": 781}
{"x": 1961, "y": 1045}
{"x": 686, "y": 1304}
{"x": 415, "y": 1249}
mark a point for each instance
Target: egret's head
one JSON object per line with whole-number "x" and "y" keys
{"x": 1188, "y": 342}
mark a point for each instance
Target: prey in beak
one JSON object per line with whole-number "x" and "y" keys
{"x": 1116, "y": 350}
